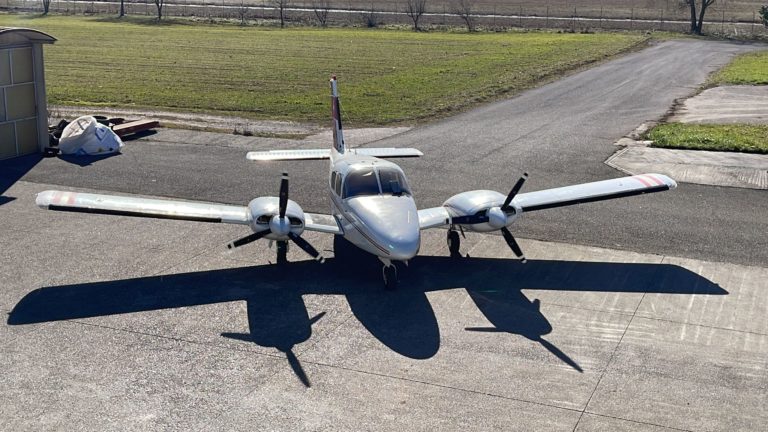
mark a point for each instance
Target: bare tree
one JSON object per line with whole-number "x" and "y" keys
{"x": 282, "y": 5}
{"x": 370, "y": 19}
{"x": 159, "y": 4}
{"x": 415, "y": 9}
{"x": 697, "y": 22}
{"x": 242, "y": 12}
{"x": 321, "y": 8}
{"x": 46, "y": 6}
{"x": 463, "y": 8}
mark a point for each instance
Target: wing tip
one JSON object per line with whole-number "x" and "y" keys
{"x": 44, "y": 199}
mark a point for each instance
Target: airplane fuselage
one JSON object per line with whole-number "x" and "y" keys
{"x": 372, "y": 201}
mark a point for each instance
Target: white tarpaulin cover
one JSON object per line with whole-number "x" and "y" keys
{"x": 86, "y": 136}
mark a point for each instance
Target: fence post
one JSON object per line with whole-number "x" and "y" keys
{"x": 632, "y": 19}
{"x": 546, "y": 22}
{"x": 601, "y": 16}
{"x": 521, "y": 16}
{"x": 573, "y": 20}
{"x": 661, "y": 21}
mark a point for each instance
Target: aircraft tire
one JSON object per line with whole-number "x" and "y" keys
{"x": 454, "y": 243}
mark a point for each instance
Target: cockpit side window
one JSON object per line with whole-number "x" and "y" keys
{"x": 337, "y": 186}
{"x": 333, "y": 180}
{"x": 393, "y": 182}
{"x": 361, "y": 182}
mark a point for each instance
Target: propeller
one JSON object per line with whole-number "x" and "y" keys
{"x": 513, "y": 244}
{"x": 515, "y": 189}
{"x": 247, "y": 239}
{"x": 280, "y": 225}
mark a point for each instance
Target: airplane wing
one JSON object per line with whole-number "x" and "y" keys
{"x": 317, "y": 154}
{"x": 436, "y": 217}
{"x": 322, "y": 223}
{"x": 142, "y": 207}
{"x": 595, "y": 191}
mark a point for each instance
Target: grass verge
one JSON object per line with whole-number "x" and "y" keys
{"x": 749, "y": 68}
{"x": 386, "y": 76}
{"x": 734, "y": 137}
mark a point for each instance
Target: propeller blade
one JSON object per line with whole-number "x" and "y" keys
{"x": 513, "y": 244}
{"x": 306, "y": 247}
{"x": 247, "y": 239}
{"x": 469, "y": 219}
{"x": 283, "y": 195}
{"x": 514, "y": 191}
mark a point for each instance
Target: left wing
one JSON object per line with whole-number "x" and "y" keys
{"x": 318, "y": 154}
{"x": 142, "y": 207}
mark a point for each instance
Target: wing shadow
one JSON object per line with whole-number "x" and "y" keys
{"x": 402, "y": 320}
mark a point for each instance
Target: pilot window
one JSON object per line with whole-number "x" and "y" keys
{"x": 393, "y": 182}
{"x": 333, "y": 179}
{"x": 337, "y": 186}
{"x": 361, "y": 182}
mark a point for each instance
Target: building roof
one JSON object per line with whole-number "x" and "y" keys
{"x": 14, "y": 35}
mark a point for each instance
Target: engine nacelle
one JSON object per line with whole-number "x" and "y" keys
{"x": 264, "y": 215}
{"x": 484, "y": 202}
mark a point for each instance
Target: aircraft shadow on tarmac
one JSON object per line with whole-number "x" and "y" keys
{"x": 403, "y": 320}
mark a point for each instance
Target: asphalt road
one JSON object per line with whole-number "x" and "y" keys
{"x": 560, "y": 133}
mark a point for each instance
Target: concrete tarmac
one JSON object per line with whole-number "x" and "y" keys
{"x": 122, "y": 324}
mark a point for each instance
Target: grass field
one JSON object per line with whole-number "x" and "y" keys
{"x": 386, "y": 76}
{"x": 749, "y": 68}
{"x": 737, "y": 137}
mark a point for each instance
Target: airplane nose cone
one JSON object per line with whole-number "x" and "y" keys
{"x": 403, "y": 247}
{"x": 393, "y": 222}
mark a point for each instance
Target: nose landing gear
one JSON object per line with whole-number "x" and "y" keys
{"x": 390, "y": 274}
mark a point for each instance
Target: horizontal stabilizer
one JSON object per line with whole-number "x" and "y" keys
{"x": 142, "y": 207}
{"x": 316, "y": 154}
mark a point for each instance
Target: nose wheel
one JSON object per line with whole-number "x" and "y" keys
{"x": 390, "y": 277}
{"x": 454, "y": 242}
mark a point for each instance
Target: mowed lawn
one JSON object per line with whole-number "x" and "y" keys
{"x": 749, "y": 68}
{"x": 386, "y": 76}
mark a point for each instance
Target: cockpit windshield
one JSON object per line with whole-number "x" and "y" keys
{"x": 393, "y": 182}
{"x": 361, "y": 182}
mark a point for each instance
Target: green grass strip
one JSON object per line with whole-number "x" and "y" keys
{"x": 749, "y": 68}
{"x": 386, "y": 76}
{"x": 733, "y": 137}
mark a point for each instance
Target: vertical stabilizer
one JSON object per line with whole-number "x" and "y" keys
{"x": 338, "y": 133}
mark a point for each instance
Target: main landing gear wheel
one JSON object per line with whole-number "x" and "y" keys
{"x": 390, "y": 277}
{"x": 454, "y": 242}
{"x": 282, "y": 252}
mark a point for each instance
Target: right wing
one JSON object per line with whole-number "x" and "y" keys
{"x": 317, "y": 154}
{"x": 142, "y": 207}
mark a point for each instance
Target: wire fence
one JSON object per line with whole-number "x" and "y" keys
{"x": 493, "y": 15}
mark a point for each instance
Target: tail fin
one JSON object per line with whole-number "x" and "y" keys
{"x": 338, "y": 133}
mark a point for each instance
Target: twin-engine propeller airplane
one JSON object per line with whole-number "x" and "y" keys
{"x": 372, "y": 204}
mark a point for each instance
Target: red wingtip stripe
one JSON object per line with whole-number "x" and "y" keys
{"x": 642, "y": 180}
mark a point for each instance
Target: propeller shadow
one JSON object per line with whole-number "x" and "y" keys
{"x": 403, "y": 320}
